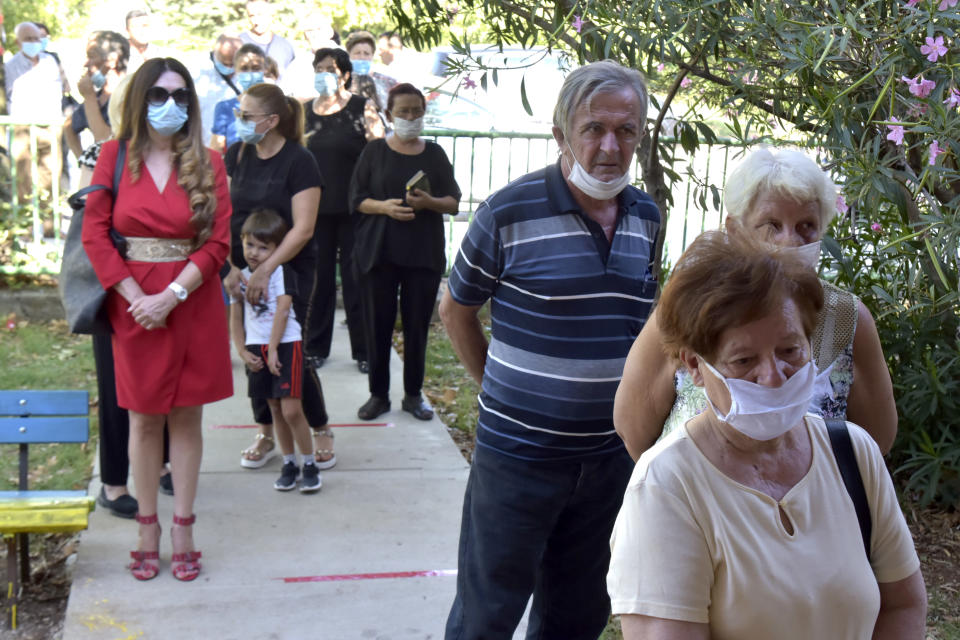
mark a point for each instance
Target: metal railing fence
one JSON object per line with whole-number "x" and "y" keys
{"x": 483, "y": 162}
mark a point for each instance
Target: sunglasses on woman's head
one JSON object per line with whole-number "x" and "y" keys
{"x": 157, "y": 96}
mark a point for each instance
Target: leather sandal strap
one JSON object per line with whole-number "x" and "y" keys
{"x": 146, "y": 519}
{"x": 144, "y": 555}
{"x": 184, "y": 522}
{"x": 186, "y": 556}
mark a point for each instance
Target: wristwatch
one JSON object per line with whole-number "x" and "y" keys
{"x": 178, "y": 290}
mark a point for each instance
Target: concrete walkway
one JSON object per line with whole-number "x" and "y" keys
{"x": 371, "y": 556}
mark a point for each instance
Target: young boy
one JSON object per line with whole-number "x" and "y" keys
{"x": 272, "y": 351}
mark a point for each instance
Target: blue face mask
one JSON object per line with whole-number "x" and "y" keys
{"x": 326, "y": 83}
{"x": 361, "y": 67}
{"x": 98, "y": 80}
{"x": 32, "y": 49}
{"x": 44, "y": 42}
{"x": 247, "y": 79}
{"x": 221, "y": 68}
{"x": 246, "y": 131}
{"x": 168, "y": 118}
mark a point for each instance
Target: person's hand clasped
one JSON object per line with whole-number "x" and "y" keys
{"x": 252, "y": 362}
{"x": 394, "y": 208}
{"x": 419, "y": 199}
{"x": 151, "y": 312}
{"x": 273, "y": 362}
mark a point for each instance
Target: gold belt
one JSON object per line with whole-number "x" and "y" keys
{"x": 158, "y": 249}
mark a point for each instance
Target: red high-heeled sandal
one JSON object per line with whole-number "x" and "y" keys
{"x": 140, "y": 567}
{"x": 185, "y": 565}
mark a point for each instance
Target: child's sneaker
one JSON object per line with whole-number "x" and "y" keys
{"x": 311, "y": 479}
{"x": 288, "y": 477}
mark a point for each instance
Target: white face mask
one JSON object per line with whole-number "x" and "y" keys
{"x": 765, "y": 413}
{"x": 808, "y": 254}
{"x": 408, "y": 129}
{"x": 594, "y": 187}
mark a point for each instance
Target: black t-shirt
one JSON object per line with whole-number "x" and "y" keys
{"x": 79, "y": 120}
{"x": 382, "y": 173}
{"x": 336, "y": 141}
{"x": 269, "y": 183}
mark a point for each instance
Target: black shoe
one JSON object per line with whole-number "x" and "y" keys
{"x": 417, "y": 406}
{"x": 124, "y": 506}
{"x": 166, "y": 484}
{"x": 314, "y": 362}
{"x": 374, "y": 407}
{"x": 288, "y": 477}
{"x": 311, "y": 481}
{"x": 363, "y": 366}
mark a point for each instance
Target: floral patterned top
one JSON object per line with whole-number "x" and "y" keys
{"x": 832, "y": 344}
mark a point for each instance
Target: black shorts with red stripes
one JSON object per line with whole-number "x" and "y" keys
{"x": 289, "y": 384}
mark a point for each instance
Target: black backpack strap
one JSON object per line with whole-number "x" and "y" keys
{"x": 852, "y": 480}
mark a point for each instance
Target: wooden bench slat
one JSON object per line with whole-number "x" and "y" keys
{"x": 42, "y": 495}
{"x": 34, "y": 430}
{"x": 15, "y": 402}
{"x": 61, "y": 517}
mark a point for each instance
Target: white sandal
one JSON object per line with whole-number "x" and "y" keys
{"x": 330, "y": 462}
{"x": 255, "y": 450}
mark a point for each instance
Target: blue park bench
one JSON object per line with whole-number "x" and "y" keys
{"x": 34, "y": 417}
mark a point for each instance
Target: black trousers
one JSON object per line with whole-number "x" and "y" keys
{"x": 333, "y": 234}
{"x": 418, "y": 294}
{"x": 314, "y": 407}
{"x": 540, "y": 528}
{"x": 114, "y": 421}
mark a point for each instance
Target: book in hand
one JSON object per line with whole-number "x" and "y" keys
{"x": 419, "y": 181}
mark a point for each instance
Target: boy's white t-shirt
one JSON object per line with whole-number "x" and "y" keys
{"x": 258, "y": 319}
{"x": 692, "y": 544}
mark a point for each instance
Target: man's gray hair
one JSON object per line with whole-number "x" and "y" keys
{"x": 584, "y": 83}
{"x": 785, "y": 172}
{"x": 29, "y": 25}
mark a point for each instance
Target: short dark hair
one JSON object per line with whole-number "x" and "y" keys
{"x": 136, "y": 13}
{"x": 725, "y": 280}
{"x": 340, "y": 58}
{"x": 249, "y": 49}
{"x": 265, "y": 225}
{"x": 404, "y": 89}
{"x": 113, "y": 42}
{"x": 40, "y": 25}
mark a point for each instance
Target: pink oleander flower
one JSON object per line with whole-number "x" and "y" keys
{"x": 468, "y": 83}
{"x": 916, "y": 109}
{"x": 935, "y": 151}
{"x": 934, "y": 48}
{"x": 947, "y": 3}
{"x": 660, "y": 68}
{"x": 919, "y": 86}
{"x": 842, "y": 205}
{"x": 953, "y": 98}
{"x": 912, "y": 3}
{"x": 876, "y": 226}
{"x": 896, "y": 132}
{"x": 685, "y": 82}
{"x": 578, "y": 22}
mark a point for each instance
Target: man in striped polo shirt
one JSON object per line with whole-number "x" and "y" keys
{"x": 564, "y": 256}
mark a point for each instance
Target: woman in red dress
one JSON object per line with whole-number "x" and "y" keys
{"x": 170, "y": 340}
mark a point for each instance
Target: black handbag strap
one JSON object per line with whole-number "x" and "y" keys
{"x": 852, "y": 480}
{"x": 78, "y": 199}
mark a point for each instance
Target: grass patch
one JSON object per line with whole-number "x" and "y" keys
{"x": 47, "y": 356}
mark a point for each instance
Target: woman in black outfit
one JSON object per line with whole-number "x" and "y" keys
{"x": 270, "y": 168}
{"x": 399, "y": 245}
{"x": 338, "y": 126}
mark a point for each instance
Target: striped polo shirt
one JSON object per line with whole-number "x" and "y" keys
{"x": 565, "y": 307}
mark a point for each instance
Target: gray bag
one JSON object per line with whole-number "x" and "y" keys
{"x": 82, "y": 295}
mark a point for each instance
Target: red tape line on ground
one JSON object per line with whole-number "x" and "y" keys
{"x": 374, "y": 576}
{"x": 343, "y": 424}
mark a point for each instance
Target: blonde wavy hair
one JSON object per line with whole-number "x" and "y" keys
{"x": 191, "y": 159}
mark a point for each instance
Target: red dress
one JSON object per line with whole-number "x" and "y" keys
{"x": 188, "y": 362}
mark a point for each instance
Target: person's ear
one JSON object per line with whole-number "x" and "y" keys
{"x": 733, "y": 225}
{"x": 691, "y": 361}
{"x": 558, "y": 136}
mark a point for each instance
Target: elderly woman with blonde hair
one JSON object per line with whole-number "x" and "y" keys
{"x": 783, "y": 199}
{"x": 738, "y": 523}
